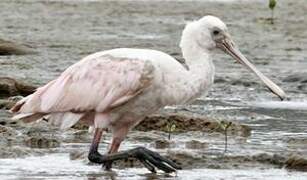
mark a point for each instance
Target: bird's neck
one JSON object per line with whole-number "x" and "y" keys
{"x": 198, "y": 60}
{"x": 201, "y": 69}
{"x": 195, "y": 57}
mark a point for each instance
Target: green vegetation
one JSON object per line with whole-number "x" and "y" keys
{"x": 225, "y": 126}
{"x": 272, "y": 4}
{"x": 170, "y": 127}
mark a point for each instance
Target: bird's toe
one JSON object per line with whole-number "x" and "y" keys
{"x": 107, "y": 165}
{"x": 151, "y": 159}
{"x": 96, "y": 157}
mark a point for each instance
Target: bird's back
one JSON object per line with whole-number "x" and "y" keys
{"x": 155, "y": 56}
{"x": 98, "y": 82}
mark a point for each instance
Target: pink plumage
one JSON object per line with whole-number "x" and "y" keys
{"x": 92, "y": 85}
{"x": 116, "y": 89}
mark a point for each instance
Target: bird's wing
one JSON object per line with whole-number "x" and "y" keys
{"x": 93, "y": 84}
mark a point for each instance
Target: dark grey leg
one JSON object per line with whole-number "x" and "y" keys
{"x": 94, "y": 156}
{"x": 147, "y": 157}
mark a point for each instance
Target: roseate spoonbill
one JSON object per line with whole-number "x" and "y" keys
{"x": 116, "y": 89}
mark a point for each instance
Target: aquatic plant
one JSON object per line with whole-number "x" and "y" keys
{"x": 225, "y": 126}
{"x": 272, "y": 4}
{"x": 170, "y": 127}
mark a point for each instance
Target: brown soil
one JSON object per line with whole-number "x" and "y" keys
{"x": 12, "y": 48}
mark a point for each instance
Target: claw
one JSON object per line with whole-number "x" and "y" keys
{"x": 161, "y": 158}
{"x": 149, "y": 166}
{"x": 158, "y": 164}
{"x": 162, "y": 163}
{"x": 147, "y": 157}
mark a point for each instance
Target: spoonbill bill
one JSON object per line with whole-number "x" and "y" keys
{"x": 115, "y": 89}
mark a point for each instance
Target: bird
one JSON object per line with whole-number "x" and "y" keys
{"x": 114, "y": 90}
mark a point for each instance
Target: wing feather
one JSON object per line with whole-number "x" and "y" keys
{"x": 95, "y": 84}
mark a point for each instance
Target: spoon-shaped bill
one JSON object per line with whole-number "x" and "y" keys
{"x": 228, "y": 46}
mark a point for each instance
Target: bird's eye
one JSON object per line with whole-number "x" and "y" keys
{"x": 216, "y": 32}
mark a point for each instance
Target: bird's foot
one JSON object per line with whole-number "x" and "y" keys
{"x": 96, "y": 157}
{"x": 150, "y": 159}
{"x": 108, "y": 165}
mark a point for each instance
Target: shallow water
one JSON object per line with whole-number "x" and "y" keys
{"x": 46, "y": 167}
{"x": 64, "y": 32}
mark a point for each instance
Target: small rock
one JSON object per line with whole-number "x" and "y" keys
{"x": 11, "y": 48}
{"x": 12, "y": 87}
{"x": 296, "y": 163}
{"x": 42, "y": 142}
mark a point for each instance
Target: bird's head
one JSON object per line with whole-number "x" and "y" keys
{"x": 210, "y": 33}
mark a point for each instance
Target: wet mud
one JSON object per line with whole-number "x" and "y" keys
{"x": 266, "y": 139}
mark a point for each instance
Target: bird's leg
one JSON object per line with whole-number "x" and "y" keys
{"x": 149, "y": 158}
{"x": 113, "y": 149}
{"x": 94, "y": 155}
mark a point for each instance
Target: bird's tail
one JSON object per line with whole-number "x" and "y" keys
{"x": 28, "y": 117}
{"x": 25, "y": 111}
{"x": 22, "y": 114}
{"x": 63, "y": 120}
{"x": 16, "y": 108}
